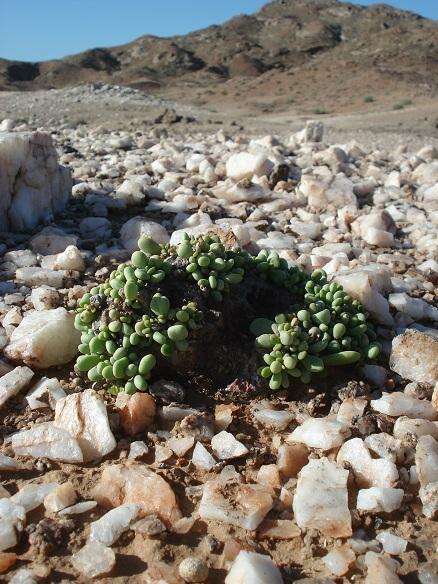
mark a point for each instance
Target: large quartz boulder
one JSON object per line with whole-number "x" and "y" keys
{"x": 33, "y": 186}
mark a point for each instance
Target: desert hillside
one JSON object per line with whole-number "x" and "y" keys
{"x": 290, "y": 52}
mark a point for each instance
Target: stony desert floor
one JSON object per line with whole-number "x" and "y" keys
{"x": 201, "y": 480}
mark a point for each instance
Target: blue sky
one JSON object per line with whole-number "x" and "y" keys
{"x": 34, "y": 30}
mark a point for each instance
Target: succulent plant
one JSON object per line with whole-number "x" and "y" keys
{"x": 131, "y": 321}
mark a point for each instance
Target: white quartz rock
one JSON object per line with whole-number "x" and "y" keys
{"x": 414, "y": 356}
{"x": 426, "y": 460}
{"x": 84, "y": 416}
{"x": 386, "y": 446}
{"x": 44, "y": 339}
{"x": 12, "y": 512}
{"x": 13, "y": 382}
{"x": 47, "y": 441}
{"x": 339, "y": 560}
{"x": 32, "y": 496}
{"x": 367, "y": 471}
{"x": 392, "y": 544}
{"x": 379, "y": 499}
{"x": 362, "y": 286}
{"x": 60, "y": 498}
{"x": 381, "y": 569}
{"x": 137, "y": 449}
{"x": 23, "y": 576}
{"x": 267, "y": 416}
{"x": 417, "y": 427}
{"x": 8, "y": 464}
{"x": 429, "y": 497}
{"x": 245, "y": 165}
{"x": 225, "y": 446}
{"x": 36, "y": 276}
{"x": 253, "y": 568}
{"x": 401, "y": 404}
{"x": 324, "y": 433}
{"x": 45, "y": 394}
{"x": 8, "y": 535}
{"x": 231, "y": 502}
{"x": 416, "y": 308}
{"x": 321, "y": 499}
{"x": 312, "y": 132}
{"x": 34, "y": 187}
{"x": 110, "y": 526}
{"x": 82, "y": 507}
{"x": 201, "y": 458}
{"x": 137, "y": 226}
{"x": 94, "y": 560}
{"x": 44, "y": 298}
{"x": 70, "y": 259}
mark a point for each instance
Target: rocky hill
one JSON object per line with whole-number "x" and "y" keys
{"x": 293, "y": 48}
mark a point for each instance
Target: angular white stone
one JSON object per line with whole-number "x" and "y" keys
{"x": 44, "y": 339}
{"x": 385, "y": 446}
{"x": 31, "y": 496}
{"x": 137, "y": 449}
{"x": 132, "y": 230}
{"x": 60, "y": 498}
{"x": 226, "y": 447}
{"x": 401, "y": 404}
{"x": 40, "y": 276}
{"x": 426, "y": 460}
{"x": 94, "y": 560}
{"x": 70, "y": 259}
{"x": 338, "y": 560}
{"x": 47, "y": 441}
{"x": 180, "y": 446}
{"x": 135, "y": 483}
{"x": 245, "y": 165}
{"x": 33, "y": 187}
{"x": 381, "y": 569}
{"x": 84, "y": 416}
{"x": 367, "y": 471}
{"x": 23, "y": 576}
{"x": 110, "y": 526}
{"x": 8, "y": 535}
{"x": 324, "y": 433}
{"x": 362, "y": 286}
{"x": 378, "y": 499}
{"x": 201, "y": 458}
{"x": 45, "y": 394}
{"x": 414, "y": 356}
{"x": 13, "y": 382}
{"x": 414, "y": 307}
{"x": 321, "y": 499}
{"x": 253, "y": 568}
{"x": 392, "y": 544}
{"x": 79, "y": 508}
{"x": 44, "y": 298}
{"x": 8, "y": 464}
{"x": 277, "y": 419}
{"x": 415, "y": 426}
{"x": 242, "y": 505}
{"x": 429, "y": 498}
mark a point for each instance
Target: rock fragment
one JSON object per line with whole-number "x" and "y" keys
{"x": 321, "y": 499}
{"x": 110, "y": 526}
{"x": 414, "y": 356}
{"x": 94, "y": 560}
{"x": 44, "y": 339}
{"x": 253, "y": 568}
{"x": 84, "y": 417}
{"x": 13, "y": 382}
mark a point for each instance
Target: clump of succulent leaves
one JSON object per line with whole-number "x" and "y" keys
{"x": 128, "y": 322}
